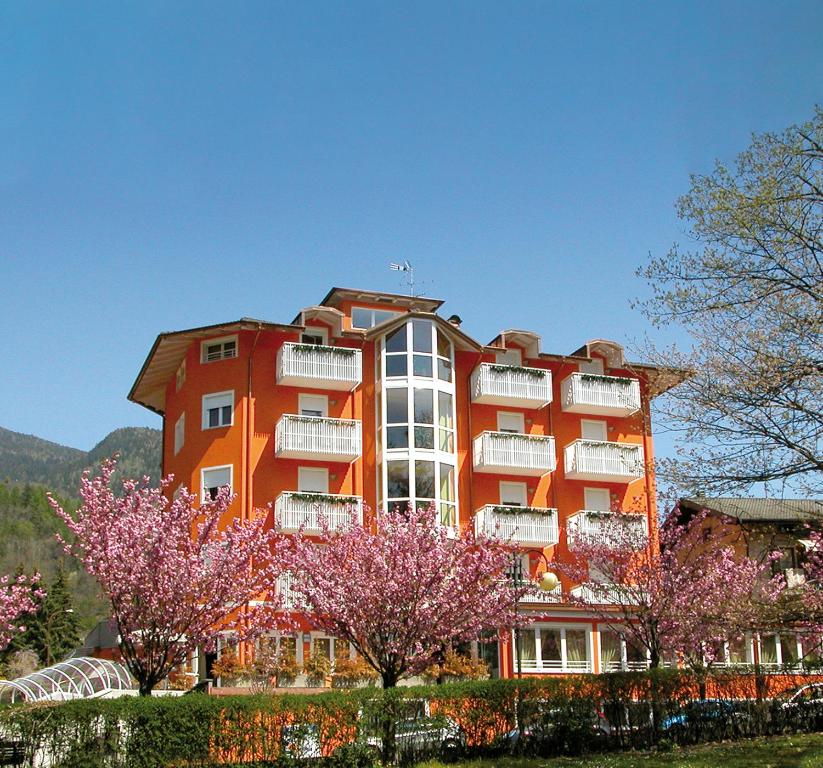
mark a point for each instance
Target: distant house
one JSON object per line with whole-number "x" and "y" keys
{"x": 760, "y": 527}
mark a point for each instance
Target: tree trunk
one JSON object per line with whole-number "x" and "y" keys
{"x": 388, "y": 723}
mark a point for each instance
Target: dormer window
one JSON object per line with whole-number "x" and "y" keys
{"x": 313, "y": 335}
{"x": 218, "y": 349}
{"x": 368, "y": 318}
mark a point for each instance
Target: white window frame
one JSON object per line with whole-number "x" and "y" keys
{"x": 598, "y": 506}
{"x": 372, "y": 320}
{"x": 307, "y": 401}
{"x": 204, "y": 490}
{"x": 318, "y": 472}
{"x": 226, "y": 395}
{"x": 222, "y": 340}
{"x": 315, "y": 331}
{"x": 503, "y": 416}
{"x": 602, "y": 427}
{"x": 509, "y": 490}
{"x": 179, "y": 433}
{"x": 564, "y": 668}
{"x": 624, "y": 653}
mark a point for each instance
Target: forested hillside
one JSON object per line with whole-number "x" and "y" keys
{"x": 29, "y": 467}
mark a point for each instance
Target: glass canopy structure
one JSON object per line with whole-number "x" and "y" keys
{"x": 80, "y": 678}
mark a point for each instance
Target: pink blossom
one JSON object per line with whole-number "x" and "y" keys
{"x": 405, "y": 591}
{"x": 175, "y": 572}
{"x": 18, "y": 597}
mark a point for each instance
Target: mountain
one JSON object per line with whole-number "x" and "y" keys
{"x": 28, "y": 459}
{"x": 30, "y": 466}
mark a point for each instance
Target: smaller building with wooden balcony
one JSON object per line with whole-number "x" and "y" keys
{"x": 510, "y": 453}
{"x": 511, "y": 385}
{"x": 522, "y": 526}
{"x": 309, "y": 512}
{"x": 604, "y": 461}
{"x": 597, "y": 394}
{"x": 319, "y": 367}
{"x": 317, "y": 438}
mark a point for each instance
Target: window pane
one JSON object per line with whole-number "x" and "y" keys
{"x": 422, "y": 366}
{"x": 446, "y": 441}
{"x": 424, "y": 479}
{"x": 527, "y": 645}
{"x": 550, "y": 644}
{"x": 381, "y": 315}
{"x": 446, "y": 482}
{"x": 448, "y": 514}
{"x": 637, "y": 654}
{"x": 288, "y": 646}
{"x": 444, "y": 347}
{"x": 422, "y": 335}
{"x": 214, "y": 417}
{"x": 361, "y": 318}
{"x": 397, "y": 406}
{"x": 226, "y": 414}
{"x": 424, "y": 437}
{"x": 444, "y": 410}
{"x": 444, "y": 370}
{"x": 737, "y": 651}
{"x": 768, "y": 649}
{"x": 610, "y": 650}
{"x": 576, "y": 650}
{"x": 398, "y": 505}
{"x": 397, "y": 437}
{"x": 322, "y": 647}
{"x": 398, "y": 472}
{"x": 423, "y": 406}
{"x": 396, "y": 365}
{"x": 788, "y": 649}
{"x": 396, "y": 340}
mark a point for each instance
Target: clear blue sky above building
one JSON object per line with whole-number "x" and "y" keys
{"x": 167, "y": 165}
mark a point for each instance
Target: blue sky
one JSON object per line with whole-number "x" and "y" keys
{"x": 166, "y": 165}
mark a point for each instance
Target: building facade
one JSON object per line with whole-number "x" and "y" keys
{"x": 375, "y": 400}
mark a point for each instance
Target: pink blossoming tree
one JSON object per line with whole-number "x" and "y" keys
{"x": 176, "y": 573}
{"x": 18, "y": 596}
{"x": 684, "y": 598}
{"x": 404, "y": 591}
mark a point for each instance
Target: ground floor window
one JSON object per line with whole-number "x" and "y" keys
{"x": 549, "y": 648}
{"x": 618, "y": 652}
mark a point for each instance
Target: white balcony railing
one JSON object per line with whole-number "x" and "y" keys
{"x": 528, "y": 526}
{"x": 320, "y": 367}
{"x": 605, "y": 395}
{"x": 795, "y": 577}
{"x": 596, "y": 460}
{"x": 511, "y": 385}
{"x": 590, "y": 526}
{"x": 289, "y": 599}
{"x": 542, "y": 596}
{"x": 603, "y": 594}
{"x": 294, "y": 510}
{"x": 321, "y": 439}
{"x": 509, "y": 453}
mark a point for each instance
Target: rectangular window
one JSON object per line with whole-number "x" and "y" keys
{"x": 368, "y": 318}
{"x": 312, "y": 335}
{"x": 511, "y": 422}
{"x": 314, "y": 405}
{"x": 218, "y": 349}
{"x": 513, "y": 494}
{"x": 179, "y": 433}
{"x": 213, "y": 479}
{"x": 218, "y": 410}
{"x": 596, "y": 499}
{"x": 313, "y": 479}
{"x": 593, "y": 430}
{"x": 555, "y": 649}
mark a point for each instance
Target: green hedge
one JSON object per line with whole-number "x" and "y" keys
{"x": 556, "y": 715}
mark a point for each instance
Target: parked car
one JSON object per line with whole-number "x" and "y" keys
{"x": 707, "y": 718}
{"x": 548, "y": 730}
{"x": 802, "y": 706}
{"x": 418, "y": 732}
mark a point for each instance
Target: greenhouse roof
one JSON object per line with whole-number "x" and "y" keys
{"x": 80, "y": 678}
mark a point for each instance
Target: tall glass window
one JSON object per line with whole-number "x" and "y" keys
{"x": 416, "y": 420}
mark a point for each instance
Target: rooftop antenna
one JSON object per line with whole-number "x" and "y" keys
{"x": 409, "y": 270}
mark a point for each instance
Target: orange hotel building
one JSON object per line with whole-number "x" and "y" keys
{"x": 374, "y": 399}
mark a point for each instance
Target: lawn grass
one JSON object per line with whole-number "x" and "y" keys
{"x": 797, "y": 751}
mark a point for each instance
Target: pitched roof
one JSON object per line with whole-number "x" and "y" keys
{"x": 760, "y": 510}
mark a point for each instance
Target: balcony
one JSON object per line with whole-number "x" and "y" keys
{"x": 608, "y": 462}
{"x": 603, "y": 594}
{"x": 319, "y": 367}
{"x": 524, "y": 526}
{"x": 290, "y": 600}
{"x": 603, "y": 395}
{"x": 593, "y": 527}
{"x": 539, "y": 596}
{"x": 509, "y": 453}
{"x": 295, "y": 510}
{"x": 511, "y": 385}
{"x": 317, "y": 439}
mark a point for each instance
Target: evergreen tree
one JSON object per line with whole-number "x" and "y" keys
{"x": 54, "y": 631}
